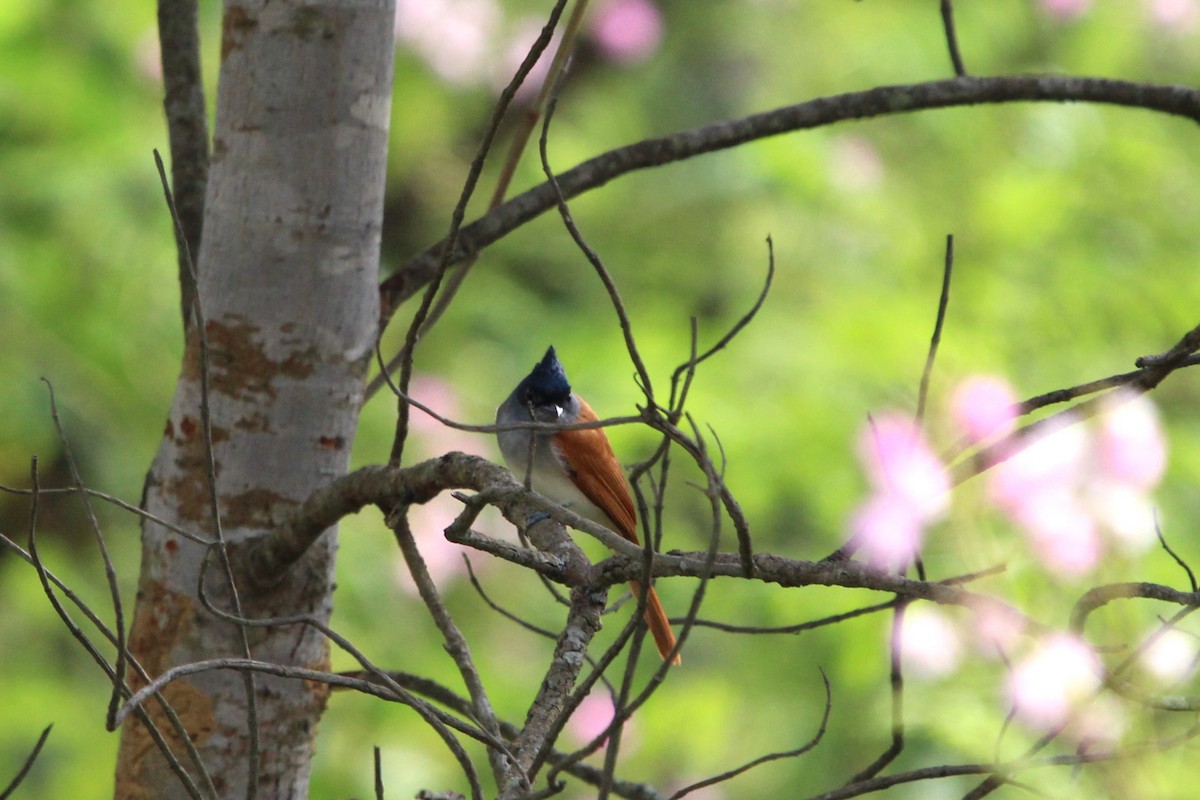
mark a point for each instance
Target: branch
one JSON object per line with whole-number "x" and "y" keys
{"x": 1179, "y": 101}
{"x": 1100, "y": 596}
{"x": 263, "y": 557}
{"x": 455, "y": 644}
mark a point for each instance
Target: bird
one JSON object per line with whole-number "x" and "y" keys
{"x": 575, "y": 468}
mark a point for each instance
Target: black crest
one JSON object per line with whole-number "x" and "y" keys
{"x": 547, "y": 384}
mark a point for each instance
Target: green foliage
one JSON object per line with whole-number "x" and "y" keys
{"x": 1075, "y": 237}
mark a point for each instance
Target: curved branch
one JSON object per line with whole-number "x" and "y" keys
{"x": 1179, "y": 101}
{"x": 1100, "y": 596}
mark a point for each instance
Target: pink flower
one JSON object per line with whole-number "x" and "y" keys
{"x": 1131, "y": 445}
{"x": 930, "y": 643}
{"x": 910, "y": 490}
{"x": 1125, "y": 512}
{"x": 1039, "y": 489}
{"x": 888, "y": 531}
{"x": 1054, "y": 460}
{"x": 855, "y": 164}
{"x": 1099, "y": 724}
{"x": 983, "y": 407}
{"x": 900, "y": 464}
{"x": 627, "y": 31}
{"x": 1172, "y": 656}
{"x": 593, "y": 717}
{"x": 1052, "y": 681}
{"x": 1065, "y": 10}
{"x": 1061, "y": 531}
{"x": 1174, "y": 15}
{"x": 996, "y": 629}
{"x": 454, "y": 37}
{"x": 433, "y": 437}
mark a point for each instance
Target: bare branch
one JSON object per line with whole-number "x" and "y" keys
{"x": 48, "y": 580}
{"x": 1174, "y": 357}
{"x": 508, "y": 169}
{"x": 455, "y": 643}
{"x": 116, "y": 501}
{"x": 1099, "y": 596}
{"x": 1178, "y": 101}
{"x": 593, "y": 258}
{"x": 688, "y": 368}
{"x": 540, "y": 731}
{"x": 896, "y": 678}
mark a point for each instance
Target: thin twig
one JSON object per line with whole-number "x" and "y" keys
{"x": 47, "y": 580}
{"x": 110, "y": 571}
{"x": 688, "y": 367}
{"x": 896, "y": 677}
{"x": 445, "y": 258}
{"x": 952, "y": 38}
{"x": 508, "y": 426}
{"x": 503, "y": 181}
{"x": 593, "y": 258}
{"x": 799, "y": 751}
{"x": 116, "y": 501}
{"x": 378, "y": 774}
{"x": 943, "y": 302}
{"x": 526, "y": 624}
{"x": 26, "y": 765}
{"x": 1162, "y": 540}
{"x": 800, "y": 627}
{"x": 1188, "y": 344}
{"x": 455, "y": 643}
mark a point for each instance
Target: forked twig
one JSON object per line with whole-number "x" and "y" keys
{"x": 456, "y": 220}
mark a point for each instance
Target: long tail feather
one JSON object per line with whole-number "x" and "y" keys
{"x": 657, "y": 622}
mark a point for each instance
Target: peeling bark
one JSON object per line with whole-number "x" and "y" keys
{"x": 288, "y": 274}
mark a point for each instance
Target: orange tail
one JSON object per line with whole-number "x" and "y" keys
{"x": 656, "y": 621}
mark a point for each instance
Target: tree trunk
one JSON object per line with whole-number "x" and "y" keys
{"x": 288, "y": 281}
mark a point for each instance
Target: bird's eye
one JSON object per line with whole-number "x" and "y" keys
{"x": 558, "y": 410}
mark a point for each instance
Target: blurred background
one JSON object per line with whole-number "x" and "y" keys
{"x": 1075, "y": 231}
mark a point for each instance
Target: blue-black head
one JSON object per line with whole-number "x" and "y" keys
{"x": 547, "y": 384}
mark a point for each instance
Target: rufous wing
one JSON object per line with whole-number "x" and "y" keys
{"x": 657, "y": 622}
{"x": 594, "y": 468}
